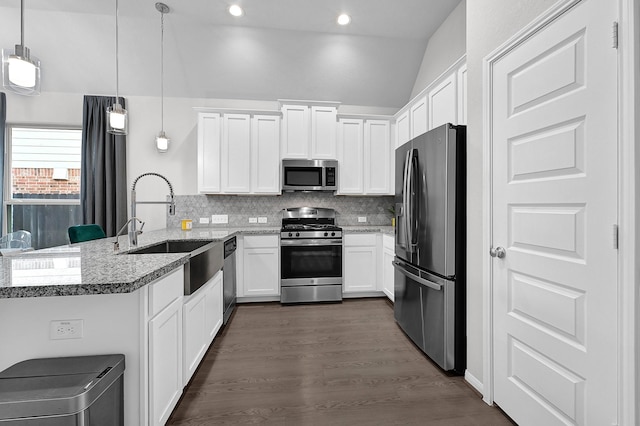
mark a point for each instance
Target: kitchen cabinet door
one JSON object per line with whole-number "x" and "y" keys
{"x": 265, "y": 154}
{"x": 462, "y": 95}
{"x": 214, "y": 309}
{"x": 261, "y": 262}
{"x": 377, "y": 157}
{"x": 351, "y": 156}
{"x": 165, "y": 362}
{"x": 323, "y": 132}
{"x": 418, "y": 117}
{"x": 236, "y": 154}
{"x": 388, "y": 253}
{"x": 443, "y": 102}
{"x": 193, "y": 332}
{"x": 360, "y": 263}
{"x": 403, "y": 130}
{"x": 209, "y": 155}
{"x": 295, "y": 131}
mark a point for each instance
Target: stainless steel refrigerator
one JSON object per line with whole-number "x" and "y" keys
{"x": 430, "y": 208}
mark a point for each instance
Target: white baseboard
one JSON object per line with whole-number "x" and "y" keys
{"x": 474, "y": 382}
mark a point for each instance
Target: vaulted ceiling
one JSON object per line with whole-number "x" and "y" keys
{"x": 291, "y": 49}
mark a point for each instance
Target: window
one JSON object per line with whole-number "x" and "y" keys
{"x": 42, "y": 183}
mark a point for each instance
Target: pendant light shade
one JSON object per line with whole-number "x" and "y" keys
{"x": 162, "y": 141}
{"x": 20, "y": 70}
{"x": 117, "y": 117}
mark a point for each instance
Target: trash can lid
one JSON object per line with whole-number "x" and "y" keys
{"x": 56, "y": 386}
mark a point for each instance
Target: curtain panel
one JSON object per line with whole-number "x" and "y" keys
{"x": 103, "y": 183}
{"x": 3, "y": 132}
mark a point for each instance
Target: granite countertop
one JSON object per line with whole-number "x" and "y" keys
{"x": 93, "y": 267}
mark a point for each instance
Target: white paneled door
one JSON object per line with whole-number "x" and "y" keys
{"x": 554, "y": 191}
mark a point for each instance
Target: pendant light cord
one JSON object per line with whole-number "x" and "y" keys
{"x": 162, "y": 72}
{"x": 22, "y": 23}
{"x": 117, "y": 98}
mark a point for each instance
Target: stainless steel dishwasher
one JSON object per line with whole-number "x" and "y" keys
{"x": 229, "y": 278}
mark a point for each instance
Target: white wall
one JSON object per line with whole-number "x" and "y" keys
{"x": 446, "y": 45}
{"x": 489, "y": 24}
{"x": 178, "y": 165}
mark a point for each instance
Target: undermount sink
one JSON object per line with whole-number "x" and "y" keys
{"x": 182, "y": 246}
{"x": 206, "y": 259}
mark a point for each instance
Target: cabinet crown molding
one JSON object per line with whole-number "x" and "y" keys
{"x": 238, "y": 111}
{"x": 282, "y": 102}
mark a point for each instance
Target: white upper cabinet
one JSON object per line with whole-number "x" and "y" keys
{"x": 236, "y": 150}
{"x": 209, "y": 159}
{"x": 377, "y": 157}
{"x": 323, "y": 132}
{"x": 365, "y": 156}
{"x": 443, "y": 102}
{"x": 351, "y": 156}
{"x": 265, "y": 154}
{"x": 309, "y": 131}
{"x": 238, "y": 153}
{"x": 418, "y": 117}
{"x": 295, "y": 131}
{"x": 403, "y": 129}
{"x": 462, "y": 95}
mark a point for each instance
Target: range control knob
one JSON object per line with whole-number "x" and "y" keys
{"x": 290, "y": 234}
{"x": 326, "y": 234}
{"x": 333, "y": 234}
{"x": 297, "y": 234}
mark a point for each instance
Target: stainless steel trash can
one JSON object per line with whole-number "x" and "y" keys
{"x": 69, "y": 391}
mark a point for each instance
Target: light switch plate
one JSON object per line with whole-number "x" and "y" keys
{"x": 253, "y": 220}
{"x": 262, "y": 219}
{"x": 204, "y": 220}
{"x": 362, "y": 218}
{"x": 219, "y": 218}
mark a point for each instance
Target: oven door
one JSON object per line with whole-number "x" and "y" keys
{"x": 310, "y": 262}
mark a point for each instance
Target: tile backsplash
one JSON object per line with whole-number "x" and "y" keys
{"x": 240, "y": 208}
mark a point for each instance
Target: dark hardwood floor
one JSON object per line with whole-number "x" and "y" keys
{"x": 324, "y": 364}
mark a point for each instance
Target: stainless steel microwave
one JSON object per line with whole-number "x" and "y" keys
{"x": 309, "y": 175}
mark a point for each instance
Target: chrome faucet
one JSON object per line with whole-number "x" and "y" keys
{"x": 116, "y": 244}
{"x": 133, "y": 233}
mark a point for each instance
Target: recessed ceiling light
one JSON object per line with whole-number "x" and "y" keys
{"x": 236, "y": 10}
{"x": 344, "y": 19}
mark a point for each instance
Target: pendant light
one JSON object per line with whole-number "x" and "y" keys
{"x": 162, "y": 141}
{"x": 117, "y": 117}
{"x": 20, "y": 70}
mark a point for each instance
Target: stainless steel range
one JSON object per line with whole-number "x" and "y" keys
{"x": 310, "y": 256}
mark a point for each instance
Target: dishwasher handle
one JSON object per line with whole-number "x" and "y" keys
{"x": 416, "y": 278}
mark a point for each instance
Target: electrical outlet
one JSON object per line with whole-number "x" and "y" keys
{"x": 66, "y": 329}
{"x": 204, "y": 220}
{"x": 253, "y": 220}
{"x": 362, "y": 219}
{"x": 262, "y": 220}
{"x": 219, "y": 218}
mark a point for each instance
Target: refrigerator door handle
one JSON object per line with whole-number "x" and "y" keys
{"x": 412, "y": 203}
{"x": 416, "y": 278}
{"x": 405, "y": 199}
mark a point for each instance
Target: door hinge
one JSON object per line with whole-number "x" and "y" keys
{"x": 615, "y": 34}
{"x": 615, "y": 237}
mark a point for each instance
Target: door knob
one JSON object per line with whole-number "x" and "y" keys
{"x": 498, "y": 252}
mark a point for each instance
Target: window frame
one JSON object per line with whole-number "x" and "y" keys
{"x": 8, "y": 199}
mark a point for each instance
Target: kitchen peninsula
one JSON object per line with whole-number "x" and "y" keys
{"x": 114, "y": 302}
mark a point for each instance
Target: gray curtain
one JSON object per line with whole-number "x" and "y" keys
{"x": 103, "y": 184}
{"x": 3, "y": 131}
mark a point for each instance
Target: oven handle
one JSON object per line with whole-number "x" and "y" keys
{"x": 416, "y": 278}
{"x": 311, "y": 242}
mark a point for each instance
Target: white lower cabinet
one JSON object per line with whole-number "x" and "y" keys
{"x": 260, "y": 266}
{"x": 165, "y": 361}
{"x": 202, "y": 318}
{"x": 388, "y": 253}
{"x": 360, "y": 263}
